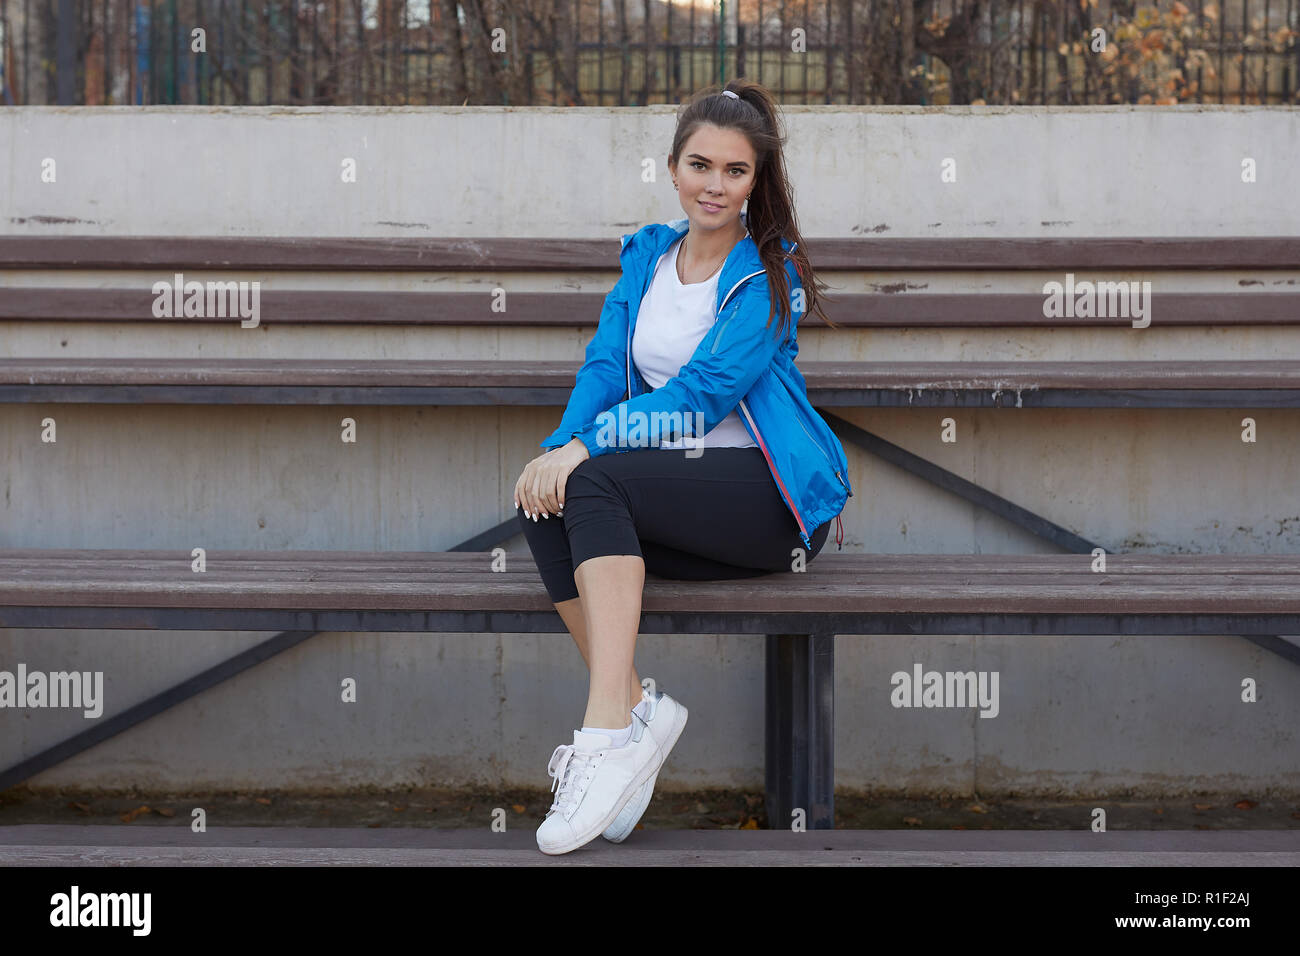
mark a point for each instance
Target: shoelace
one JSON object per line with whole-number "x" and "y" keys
{"x": 572, "y": 770}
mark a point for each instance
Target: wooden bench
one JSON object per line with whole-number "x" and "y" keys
{"x": 304, "y": 592}
{"x": 312, "y": 591}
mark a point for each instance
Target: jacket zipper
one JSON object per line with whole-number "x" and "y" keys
{"x": 714, "y": 349}
{"x": 628, "y": 352}
{"x": 803, "y": 529}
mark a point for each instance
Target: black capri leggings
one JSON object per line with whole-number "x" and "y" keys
{"x": 709, "y": 518}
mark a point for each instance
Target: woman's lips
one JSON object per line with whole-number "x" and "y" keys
{"x": 710, "y": 207}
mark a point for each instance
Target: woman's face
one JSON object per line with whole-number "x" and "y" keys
{"x": 714, "y": 174}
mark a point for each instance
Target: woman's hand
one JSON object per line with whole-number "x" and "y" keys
{"x": 540, "y": 489}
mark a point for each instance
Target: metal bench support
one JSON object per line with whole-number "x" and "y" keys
{"x": 800, "y": 729}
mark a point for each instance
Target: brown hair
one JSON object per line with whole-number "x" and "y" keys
{"x": 771, "y": 214}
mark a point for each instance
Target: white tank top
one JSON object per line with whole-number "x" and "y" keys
{"x": 672, "y": 321}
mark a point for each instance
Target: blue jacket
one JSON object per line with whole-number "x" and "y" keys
{"x": 738, "y": 366}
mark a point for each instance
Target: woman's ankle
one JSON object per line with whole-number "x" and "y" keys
{"x": 596, "y": 718}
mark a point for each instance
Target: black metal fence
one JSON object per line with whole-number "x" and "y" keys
{"x": 636, "y": 52}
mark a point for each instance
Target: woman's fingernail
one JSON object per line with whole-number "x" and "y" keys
{"x": 546, "y": 514}
{"x": 534, "y": 518}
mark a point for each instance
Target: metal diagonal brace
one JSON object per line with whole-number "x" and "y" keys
{"x": 102, "y": 730}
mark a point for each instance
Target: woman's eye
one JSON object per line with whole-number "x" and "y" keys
{"x": 734, "y": 169}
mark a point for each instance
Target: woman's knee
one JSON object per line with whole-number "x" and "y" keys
{"x": 590, "y": 479}
{"x": 589, "y": 470}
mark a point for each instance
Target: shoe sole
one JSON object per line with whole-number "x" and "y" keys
{"x": 596, "y": 829}
{"x": 678, "y": 727}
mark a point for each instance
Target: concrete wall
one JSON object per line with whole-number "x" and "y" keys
{"x": 1078, "y": 715}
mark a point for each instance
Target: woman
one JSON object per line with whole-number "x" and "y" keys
{"x": 694, "y": 352}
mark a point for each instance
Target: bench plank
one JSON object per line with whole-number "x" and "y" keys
{"x": 1186, "y": 384}
{"x": 842, "y": 583}
{"x": 582, "y": 309}
{"x": 79, "y": 560}
{"x": 1262, "y": 373}
{"x": 309, "y": 253}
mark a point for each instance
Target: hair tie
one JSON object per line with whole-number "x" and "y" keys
{"x": 731, "y": 94}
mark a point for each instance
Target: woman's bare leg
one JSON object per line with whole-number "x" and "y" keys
{"x": 609, "y": 589}
{"x": 571, "y": 613}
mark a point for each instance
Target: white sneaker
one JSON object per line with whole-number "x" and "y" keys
{"x": 666, "y": 719}
{"x": 593, "y": 780}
